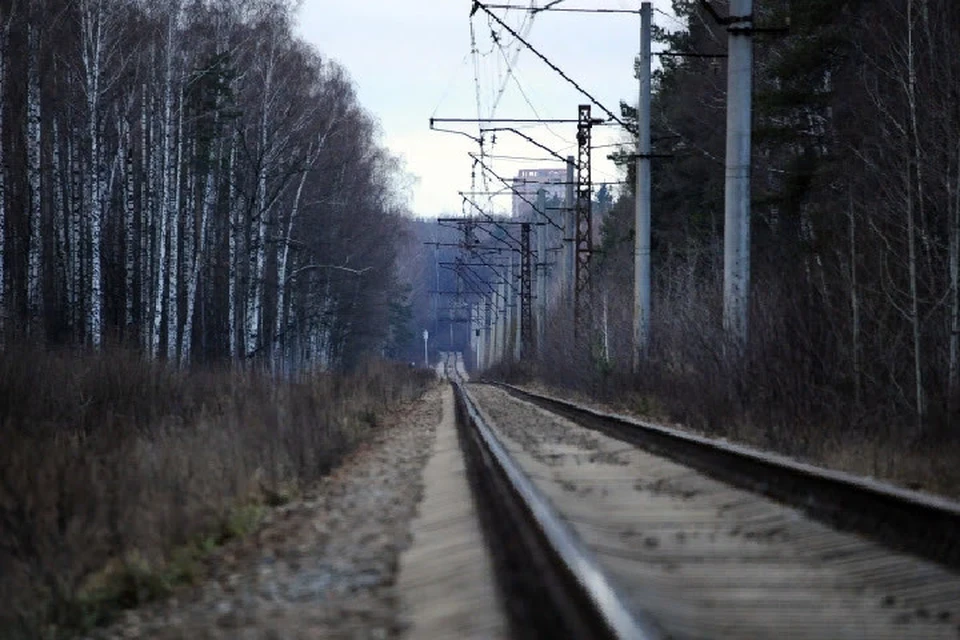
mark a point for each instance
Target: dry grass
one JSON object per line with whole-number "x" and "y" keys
{"x": 785, "y": 395}
{"x": 118, "y": 475}
{"x": 928, "y": 464}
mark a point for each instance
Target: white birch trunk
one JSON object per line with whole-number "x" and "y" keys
{"x": 34, "y": 275}
{"x": 282, "y": 262}
{"x": 75, "y": 235}
{"x": 131, "y": 246}
{"x": 234, "y": 267}
{"x": 255, "y": 290}
{"x": 912, "y": 166}
{"x": 209, "y": 197}
{"x": 165, "y": 189}
{"x": 953, "y": 384}
{"x": 854, "y": 305}
{"x": 4, "y": 39}
{"x": 61, "y": 215}
{"x": 206, "y": 209}
{"x": 173, "y": 209}
{"x": 146, "y": 221}
{"x": 92, "y": 26}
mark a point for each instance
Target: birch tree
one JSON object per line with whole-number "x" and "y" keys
{"x": 165, "y": 203}
{"x": 167, "y": 168}
{"x": 34, "y": 180}
{"x": 94, "y": 29}
{"x": 6, "y": 22}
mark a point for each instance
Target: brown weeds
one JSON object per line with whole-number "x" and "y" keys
{"x": 118, "y": 474}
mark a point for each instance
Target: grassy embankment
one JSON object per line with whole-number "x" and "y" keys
{"x": 118, "y": 477}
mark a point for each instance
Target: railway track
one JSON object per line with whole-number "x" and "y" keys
{"x": 619, "y": 528}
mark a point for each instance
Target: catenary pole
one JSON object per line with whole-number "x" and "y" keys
{"x": 478, "y": 341}
{"x": 736, "y": 234}
{"x": 489, "y": 340}
{"x": 472, "y": 337}
{"x": 501, "y": 321}
{"x": 541, "y": 271}
{"x": 517, "y": 314}
{"x": 511, "y": 313}
{"x": 481, "y": 336}
{"x": 570, "y": 233}
{"x": 641, "y": 245}
{"x": 495, "y": 327}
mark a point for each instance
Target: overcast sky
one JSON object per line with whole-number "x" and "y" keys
{"x": 411, "y": 60}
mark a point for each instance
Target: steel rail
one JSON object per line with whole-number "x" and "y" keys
{"x": 901, "y": 519}
{"x": 583, "y": 594}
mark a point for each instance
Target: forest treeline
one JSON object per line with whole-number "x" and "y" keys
{"x": 189, "y": 178}
{"x": 855, "y": 308}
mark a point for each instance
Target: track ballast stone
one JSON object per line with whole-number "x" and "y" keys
{"x": 707, "y": 560}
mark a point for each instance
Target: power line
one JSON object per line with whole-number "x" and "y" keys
{"x": 476, "y": 80}
{"x": 479, "y": 5}
{"x": 525, "y": 28}
{"x": 527, "y": 138}
{"x": 521, "y": 158}
{"x": 517, "y": 193}
{"x": 550, "y": 8}
{"x": 595, "y": 121}
{"x": 511, "y": 72}
{"x": 550, "y": 5}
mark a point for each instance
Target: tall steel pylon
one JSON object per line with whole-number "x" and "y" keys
{"x": 584, "y": 219}
{"x": 526, "y": 292}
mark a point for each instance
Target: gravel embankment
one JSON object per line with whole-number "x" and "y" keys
{"x": 323, "y": 566}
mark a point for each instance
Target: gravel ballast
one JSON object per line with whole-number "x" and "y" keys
{"x": 703, "y": 559}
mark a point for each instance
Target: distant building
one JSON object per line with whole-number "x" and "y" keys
{"x": 529, "y": 181}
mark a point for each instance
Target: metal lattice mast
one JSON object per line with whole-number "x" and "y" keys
{"x": 526, "y": 292}
{"x": 541, "y": 270}
{"x": 584, "y": 214}
{"x": 517, "y": 337}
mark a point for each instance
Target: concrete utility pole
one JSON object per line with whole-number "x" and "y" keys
{"x": 641, "y": 243}
{"x": 570, "y": 234}
{"x": 494, "y": 326}
{"x": 472, "y": 338}
{"x": 478, "y": 337}
{"x": 481, "y": 337}
{"x": 492, "y": 361}
{"x": 736, "y": 232}
{"x": 541, "y": 271}
{"x": 488, "y": 333}
{"x": 426, "y": 358}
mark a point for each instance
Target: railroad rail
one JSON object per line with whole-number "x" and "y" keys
{"x": 560, "y": 587}
{"x": 697, "y": 538}
{"x": 906, "y": 520}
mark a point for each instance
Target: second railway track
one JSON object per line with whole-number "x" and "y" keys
{"x": 681, "y": 550}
